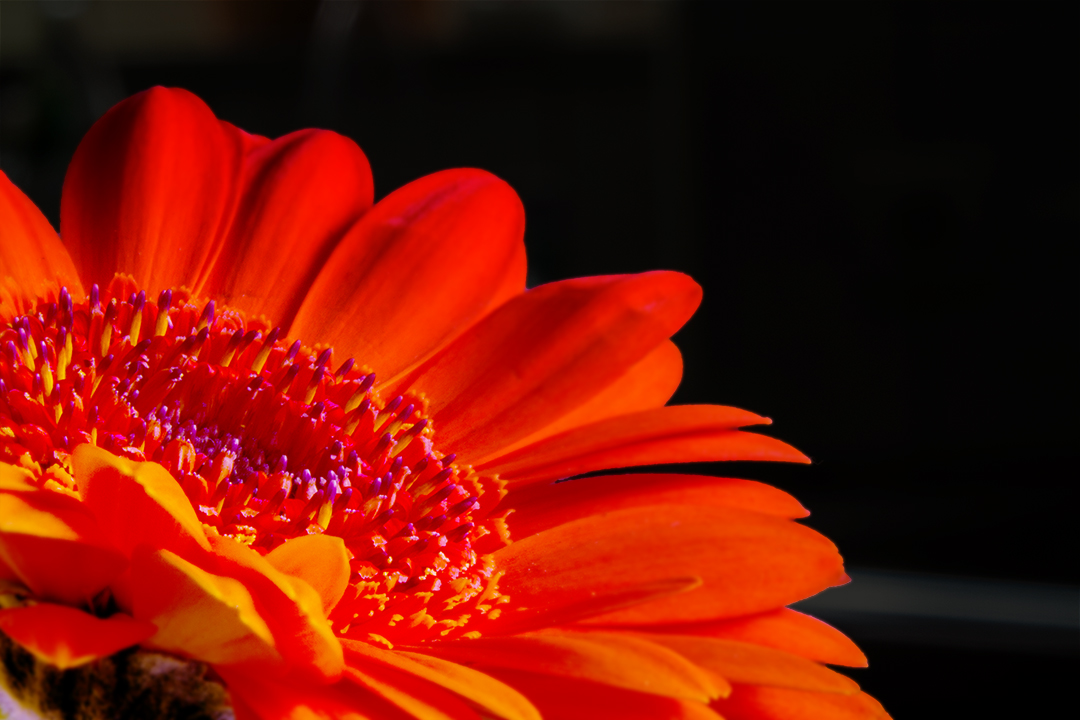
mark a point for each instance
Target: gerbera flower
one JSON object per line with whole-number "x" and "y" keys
{"x": 272, "y": 450}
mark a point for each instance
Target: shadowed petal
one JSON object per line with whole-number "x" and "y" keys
{"x": 33, "y": 262}
{"x": 67, "y": 637}
{"x": 749, "y": 702}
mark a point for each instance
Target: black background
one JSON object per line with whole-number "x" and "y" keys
{"x": 881, "y": 201}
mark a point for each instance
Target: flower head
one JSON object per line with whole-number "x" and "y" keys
{"x": 271, "y": 450}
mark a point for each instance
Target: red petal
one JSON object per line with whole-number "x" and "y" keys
{"x": 66, "y": 637}
{"x": 52, "y": 544}
{"x": 748, "y": 562}
{"x": 300, "y": 194}
{"x": 319, "y": 560}
{"x": 747, "y": 663}
{"x": 422, "y": 265}
{"x": 570, "y": 699}
{"x": 418, "y": 697}
{"x": 33, "y": 262}
{"x": 609, "y": 659}
{"x": 783, "y": 629}
{"x": 748, "y": 702}
{"x": 281, "y": 699}
{"x": 150, "y": 191}
{"x": 678, "y": 434}
{"x": 649, "y": 383}
{"x": 137, "y": 502}
{"x": 545, "y": 353}
{"x": 482, "y": 690}
{"x": 541, "y": 506}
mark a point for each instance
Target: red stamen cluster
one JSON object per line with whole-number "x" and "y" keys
{"x": 267, "y": 441}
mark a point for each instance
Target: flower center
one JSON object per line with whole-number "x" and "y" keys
{"x": 268, "y": 441}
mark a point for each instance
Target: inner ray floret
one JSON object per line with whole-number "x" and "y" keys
{"x": 268, "y": 441}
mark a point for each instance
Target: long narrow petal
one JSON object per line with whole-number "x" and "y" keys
{"x": 545, "y": 353}
{"x": 748, "y": 562}
{"x": 150, "y": 191}
{"x": 52, "y": 544}
{"x": 300, "y": 194}
{"x": 319, "y": 560}
{"x": 571, "y": 699}
{"x": 649, "y": 383}
{"x": 749, "y": 702}
{"x": 420, "y": 698}
{"x": 540, "y": 506}
{"x": 782, "y": 629}
{"x": 742, "y": 662}
{"x": 422, "y": 265}
{"x": 632, "y": 663}
{"x": 676, "y": 434}
{"x": 271, "y": 698}
{"x": 33, "y": 262}
{"x": 198, "y": 614}
{"x": 137, "y": 503}
{"x": 482, "y": 690}
{"x": 66, "y": 637}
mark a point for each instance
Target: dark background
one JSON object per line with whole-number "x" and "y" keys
{"x": 881, "y": 201}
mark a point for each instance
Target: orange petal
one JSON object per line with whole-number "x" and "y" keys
{"x": 748, "y": 562}
{"x": 422, "y": 265}
{"x": 649, "y": 383}
{"x": 16, "y": 479}
{"x": 52, "y": 544}
{"x": 677, "y": 434}
{"x": 573, "y": 699}
{"x": 300, "y": 194}
{"x": 198, "y": 614}
{"x": 747, "y": 663}
{"x": 150, "y": 191}
{"x": 749, "y": 702}
{"x": 291, "y": 608}
{"x": 33, "y": 262}
{"x": 541, "y": 506}
{"x": 319, "y": 560}
{"x": 478, "y": 688}
{"x": 281, "y": 699}
{"x": 137, "y": 502}
{"x": 610, "y": 659}
{"x": 545, "y": 353}
{"x": 418, "y": 697}
{"x": 782, "y": 629}
{"x": 66, "y": 637}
